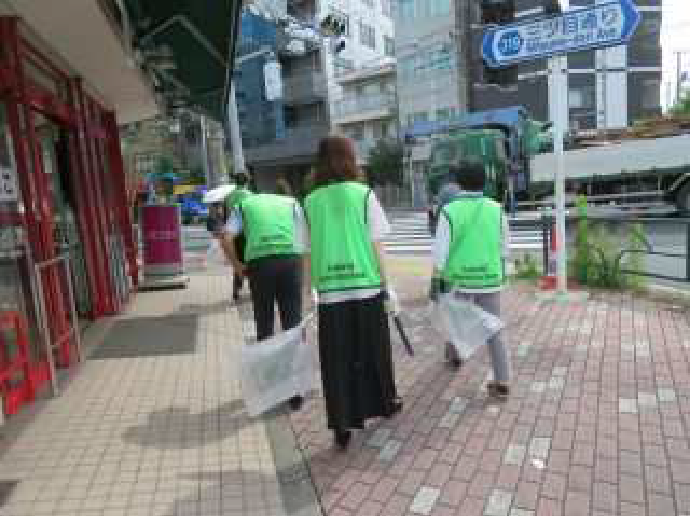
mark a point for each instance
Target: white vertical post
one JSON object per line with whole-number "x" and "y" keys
{"x": 559, "y": 67}
{"x": 204, "y": 150}
{"x": 238, "y": 164}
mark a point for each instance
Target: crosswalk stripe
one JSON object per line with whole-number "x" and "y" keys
{"x": 410, "y": 235}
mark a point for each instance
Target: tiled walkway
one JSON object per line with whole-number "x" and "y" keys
{"x": 151, "y": 435}
{"x": 598, "y": 423}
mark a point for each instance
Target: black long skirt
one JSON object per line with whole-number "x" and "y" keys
{"x": 356, "y": 363}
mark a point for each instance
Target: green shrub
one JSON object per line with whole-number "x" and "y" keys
{"x": 599, "y": 259}
{"x": 527, "y": 267}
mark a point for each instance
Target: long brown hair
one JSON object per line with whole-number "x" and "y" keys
{"x": 336, "y": 161}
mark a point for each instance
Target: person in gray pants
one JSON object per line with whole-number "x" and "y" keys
{"x": 470, "y": 249}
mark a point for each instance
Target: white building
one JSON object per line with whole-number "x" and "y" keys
{"x": 367, "y": 109}
{"x": 312, "y": 86}
{"x": 428, "y": 61}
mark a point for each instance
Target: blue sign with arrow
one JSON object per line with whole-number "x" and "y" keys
{"x": 602, "y": 25}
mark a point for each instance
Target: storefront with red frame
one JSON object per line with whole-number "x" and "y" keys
{"x": 60, "y": 153}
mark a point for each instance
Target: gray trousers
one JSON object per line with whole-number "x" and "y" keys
{"x": 499, "y": 353}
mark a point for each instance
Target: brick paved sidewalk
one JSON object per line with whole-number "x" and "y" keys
{"x": 152, "y": 424}
{"x": 598, "y": 422}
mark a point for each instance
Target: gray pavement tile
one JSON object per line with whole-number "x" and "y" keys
{"x": 538, "y": 387}
{"x": 499, "y": 503}
{"x": 458, "y": 405}
{"x": 556, "y": 382}
{"x": 390, "y": 450}
{"x": 424, "y": 500}
{"x": 627, "y": 405}
{"x": 379, "y": 437}
{"x": 642, "y": 349}
{"x": 666, "y": 395}
{"x": 646, "y": 399}
{"x": 539, "y": 448}
{"x": 515, "y": 454}
{"x": 449, "y": 420}
{"x": 520, "y": 512}
{"x": 523, "y": 349}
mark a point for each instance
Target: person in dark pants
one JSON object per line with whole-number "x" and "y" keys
{"x": 231, "y": 202}
{"x": 347, "y": 226}
{"x": 271, "y": 224}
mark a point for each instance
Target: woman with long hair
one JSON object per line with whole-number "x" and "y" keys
{"x": 346, "y": 226}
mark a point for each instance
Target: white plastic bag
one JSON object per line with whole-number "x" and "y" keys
{"x": 276, "y": 369}
{"x": 467, "y": 326}
{"x": 215, "y": 254}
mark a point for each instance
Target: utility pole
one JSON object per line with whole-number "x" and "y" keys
{"x": 204, "y": 150}
{"x": 238, "y": 163}
{"x": 679, "y": 80}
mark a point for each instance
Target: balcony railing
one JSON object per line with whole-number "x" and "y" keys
{"x": 304, "y": 88}
{"x": 364, "y": 106}
{"x": 300, "y": 141}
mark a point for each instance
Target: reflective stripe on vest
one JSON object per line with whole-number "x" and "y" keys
{"x": 475, "y": 251}
{"x": 269, "y": 224}
{"x": 342, "y": 253}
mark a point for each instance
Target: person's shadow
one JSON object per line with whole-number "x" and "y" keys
{"x": 178, "y": 428}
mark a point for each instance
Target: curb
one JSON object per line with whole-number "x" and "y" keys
{"x": 297, "y": 488}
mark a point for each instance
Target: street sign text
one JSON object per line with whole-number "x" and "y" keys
{"x": 602, "y": 25}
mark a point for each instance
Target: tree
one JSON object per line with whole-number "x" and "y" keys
{"x": 386, "y": 163}
{"x": 682, "y": 106}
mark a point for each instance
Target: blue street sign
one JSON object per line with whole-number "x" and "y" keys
{"x": 602, "y": 25}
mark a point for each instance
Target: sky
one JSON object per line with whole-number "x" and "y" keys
{"x": 674, "y": 38}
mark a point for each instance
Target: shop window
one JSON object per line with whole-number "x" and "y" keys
{"x": 367, "y": 35}
{"x": 443, "y": 115}
{"x": 651, "y": 94}
{"x": 581, "y": 98}
{"x": 386, "y": 7}
{"x": 440, "y": 7}
{"x": 356, "y": 132}
{"x": 406, "y": 9}
{"x": 420, "y": 116}
{"x": 389, "y": 46}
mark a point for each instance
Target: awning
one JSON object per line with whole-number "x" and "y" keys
{"x": 199, "y": 38}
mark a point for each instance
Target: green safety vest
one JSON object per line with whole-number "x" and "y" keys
{"x": 235, "y": 197}
{"x": 342, "y": 253}
{"x": 269, "y": 225}
{"x": 475, "y": 251}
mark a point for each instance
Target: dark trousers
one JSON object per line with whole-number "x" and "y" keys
{"x": 275, "y": 279}
{"x": 238, "y": 280}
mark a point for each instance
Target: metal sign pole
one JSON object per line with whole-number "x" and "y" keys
{"x": 559, "y": 68}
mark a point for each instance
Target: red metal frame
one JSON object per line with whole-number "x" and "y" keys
{"x": 15, "y": 394}
{"x": 100, "y": 201}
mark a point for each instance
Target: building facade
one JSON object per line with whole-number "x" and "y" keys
{"x": 280, "y": 136}
{"x": 608, "y": 88}
{"x": 367, "y": 110}
{"x": 431, "y": 65}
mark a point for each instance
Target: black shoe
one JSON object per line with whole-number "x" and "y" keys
{"x": 296, "y": 403}
{"x": 342, "y": 438}
{"x": 452, "y": 357}
{"x": 497, "y": 390}
{"x": 395, "y": 407}
{"x": 236, "y": 297}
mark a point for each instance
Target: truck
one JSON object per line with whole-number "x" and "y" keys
{"x": 624, "y": 170}
{"x": 645, "y": 168}
{"x": 504, "y": 140}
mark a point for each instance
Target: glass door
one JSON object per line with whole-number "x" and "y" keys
{"x": 56, "y": 164}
